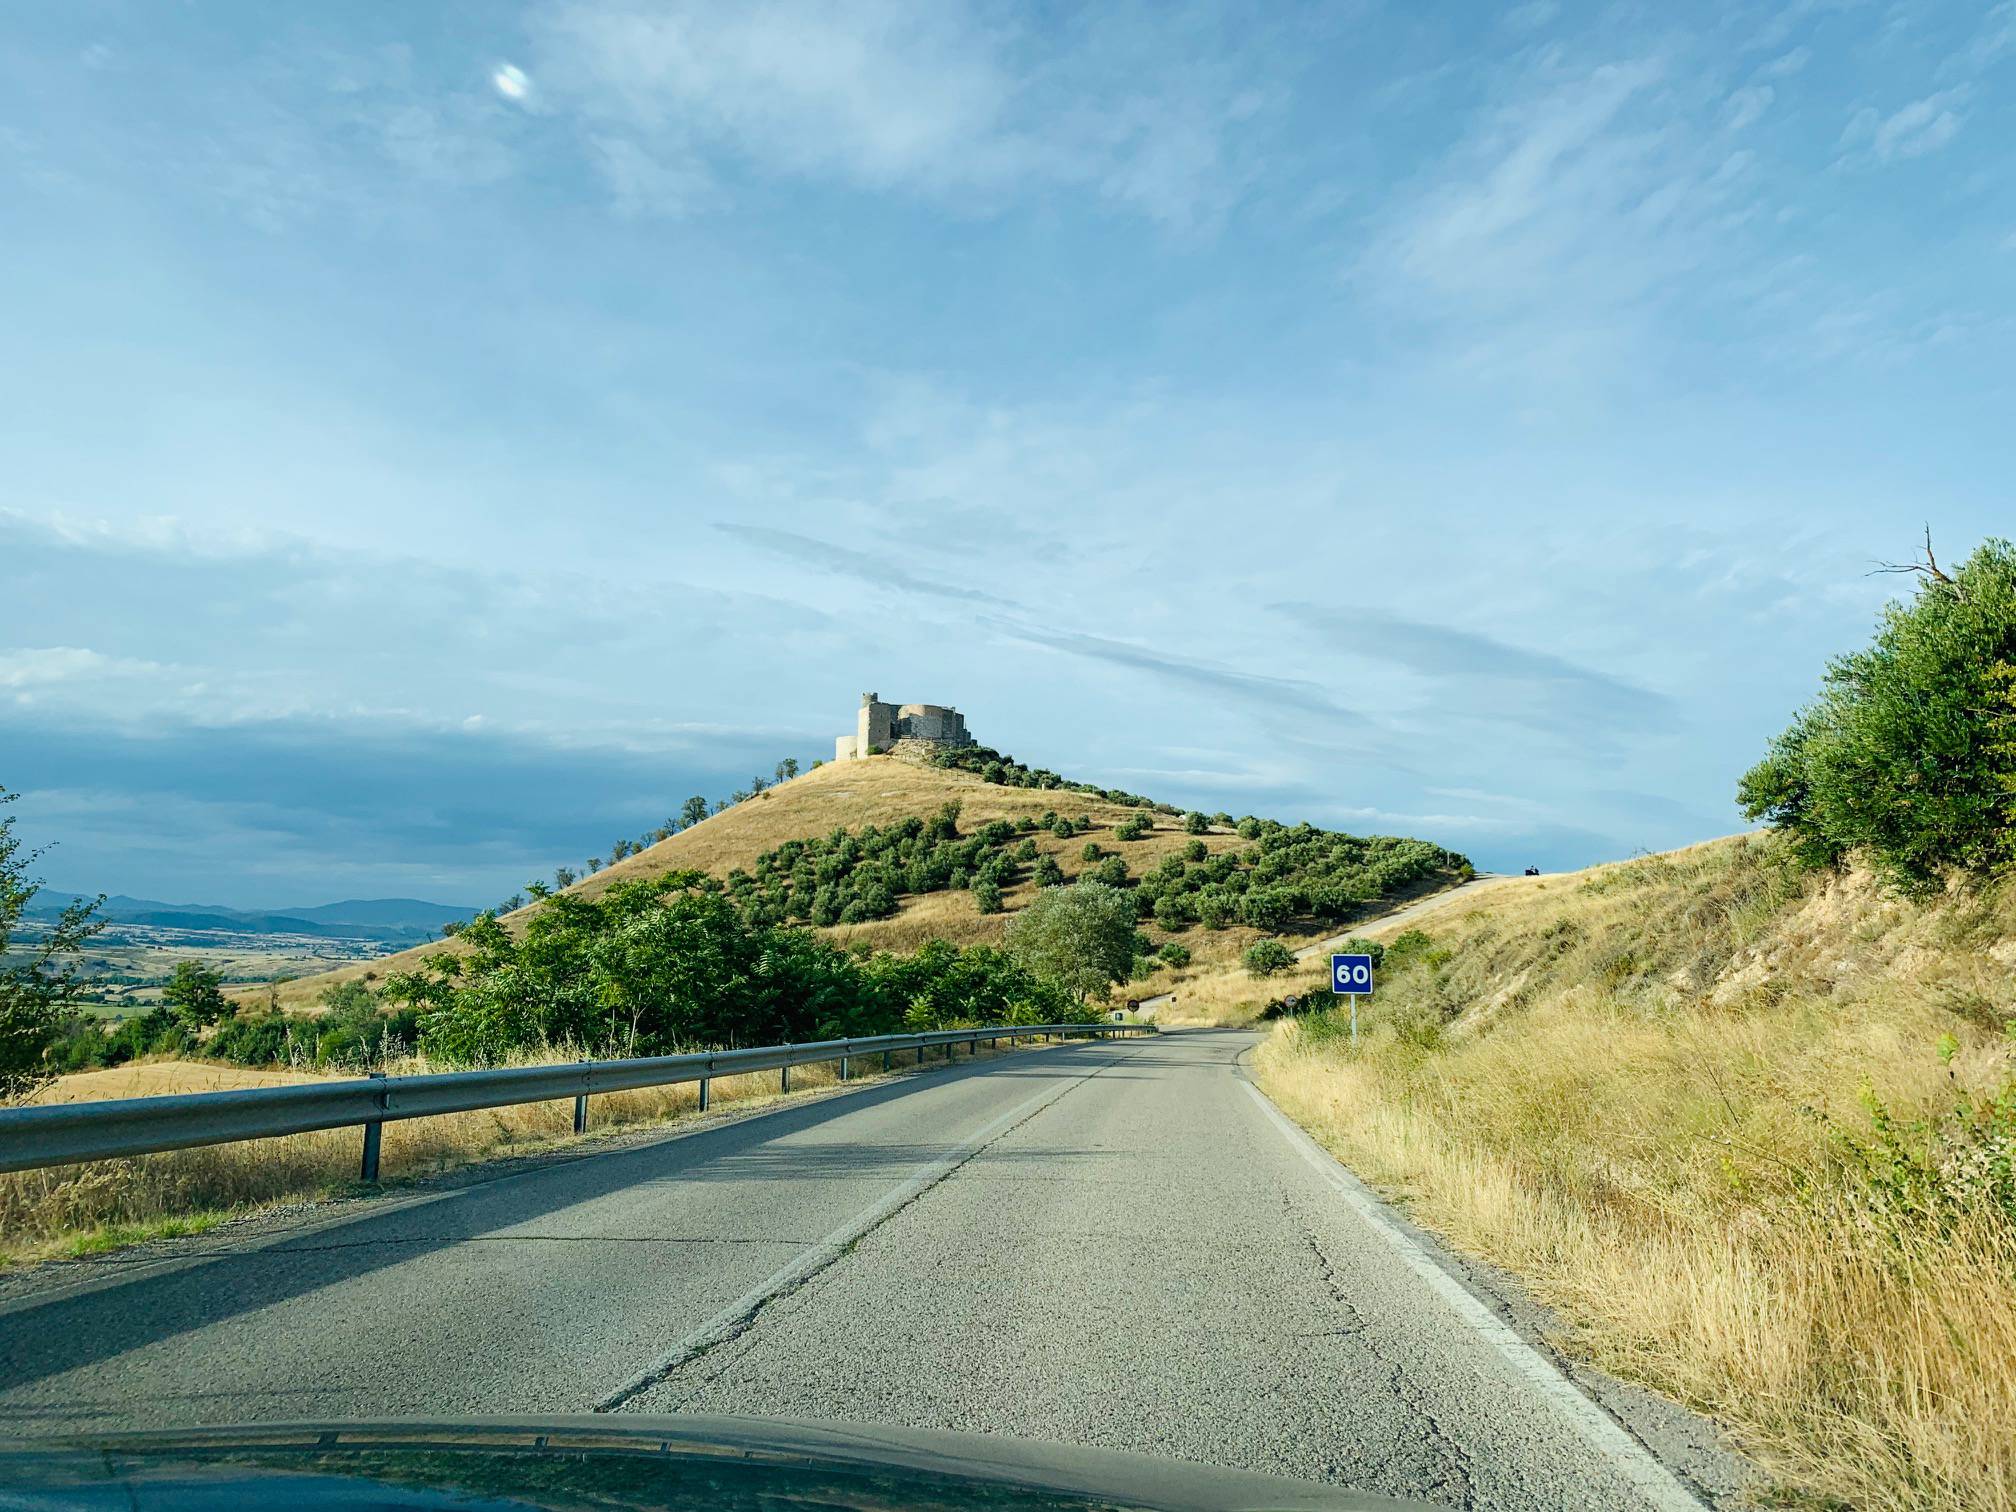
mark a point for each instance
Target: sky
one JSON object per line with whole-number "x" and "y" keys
{"x": 436, "y": 440}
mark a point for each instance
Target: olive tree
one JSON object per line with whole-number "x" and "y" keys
{"x": 38, "y": 980}
{"x": 1081, "y": 937}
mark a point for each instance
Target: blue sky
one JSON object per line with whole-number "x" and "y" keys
{"x": 436, "y": 440}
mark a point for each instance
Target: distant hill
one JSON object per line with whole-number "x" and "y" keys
{"x": 877, "y": 790}
{"x": 384, "y": 913}
{"x": 387, "y": 920}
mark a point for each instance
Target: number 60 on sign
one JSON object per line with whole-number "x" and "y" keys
{"x": 1350, "y": 973}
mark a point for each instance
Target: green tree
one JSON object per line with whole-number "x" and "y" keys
{"x": 1048, "y": 873}
{"x": 1266, "y": 908}
{"x": 692, "y": 812}
{"x": 1266, "y": 957}
{"x": 195, "y": 995}
{"x": 1112, "y": 871}
{"x": 1906, "y": 757}
{"x": 1080, "y": 937}
{"x": 1174, "y": 953}
{"x": 787, "y": 769}
{"x": 1196, "y": 823}
{"x": 38, "y": 981}
{"x": 987, "y": 895}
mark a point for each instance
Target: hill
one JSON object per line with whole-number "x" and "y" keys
{"x": 884, "y": 791}
{"x": 1751, "y": 1129}
{"x": 381, "y": 919}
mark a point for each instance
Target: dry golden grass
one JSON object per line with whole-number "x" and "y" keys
{"x": 164, "y": 1078}
{"x": 84, "y": 1208}
{"x": 1630, "y": 1087}
{"x": 842, "y": 795}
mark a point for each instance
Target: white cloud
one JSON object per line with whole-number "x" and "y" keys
{"x": 1533, "y": 15}
{"x": 1571, "y": 201}
{"x": 1995, "y": 39}
{"x": 940, "y": 99}
{"x": 1921, "y": 127}
{"x": 60, "y": 666}
{"x": 1747, "y": 106}
{"x": 645, "y": 182}
{"x": 1786, "y": 64}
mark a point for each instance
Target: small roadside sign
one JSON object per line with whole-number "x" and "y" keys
{"x": 1351, "y": 973}
{"x": 1349, "y": 976}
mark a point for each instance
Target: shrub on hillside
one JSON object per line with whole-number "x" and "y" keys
{"x": 1908, "y": 756}
{"x": 1264, "y": 958}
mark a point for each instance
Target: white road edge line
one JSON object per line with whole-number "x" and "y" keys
{"x": 809, "y": 1262}
{"x": 1660, "y": 1487}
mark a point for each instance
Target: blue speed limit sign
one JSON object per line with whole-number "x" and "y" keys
{"x": 1350, "y": 973}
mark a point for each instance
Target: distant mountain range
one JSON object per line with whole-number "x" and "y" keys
{"x": 398, "y": 920}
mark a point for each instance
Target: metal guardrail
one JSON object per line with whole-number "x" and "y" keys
{"x": 65, "y": 1133}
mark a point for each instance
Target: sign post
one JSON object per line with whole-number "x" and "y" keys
{"x": 1351, "y": 975}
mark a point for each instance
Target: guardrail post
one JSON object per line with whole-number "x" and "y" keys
{"x": 885, "y": 1060}
{"x": 703, "y": 1092}
{"x": 373, "y": 1133}
{"x": 785, "y": 1083}
{"x": 843, "y": 1068}
{"x": 581, "y": 1109}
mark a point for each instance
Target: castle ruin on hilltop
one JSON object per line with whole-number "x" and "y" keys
{"x": 901, "y": 730}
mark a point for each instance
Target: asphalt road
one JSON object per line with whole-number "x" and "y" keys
{"x": 1115, "y": 1244}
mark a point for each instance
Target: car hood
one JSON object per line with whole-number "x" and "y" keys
{"x": 610, "y": 1463}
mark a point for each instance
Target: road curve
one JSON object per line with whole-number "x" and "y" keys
{"x": 1115, "y": 1244}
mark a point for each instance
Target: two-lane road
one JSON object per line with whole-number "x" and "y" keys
{"x": 1116, "y": 1244}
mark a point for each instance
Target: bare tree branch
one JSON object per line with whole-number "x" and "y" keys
{"x": 1929, "y": 569}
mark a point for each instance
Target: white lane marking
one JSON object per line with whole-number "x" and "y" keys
{"x": 739, "y": 1314}
{"x": 1653, "y": 1481}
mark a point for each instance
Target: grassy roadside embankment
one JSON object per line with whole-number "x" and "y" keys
{"x": 85, "y": 1209}
{"x": 1749, "y": 1131}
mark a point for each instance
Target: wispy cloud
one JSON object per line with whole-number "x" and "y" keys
{"x": 885, "y": 573}
{"x": 1494, "y": 678}
{"x": 1284, "y": 695}
{"x": 1747, "y": 106}
{"x": 1914, "y": 130}
{"x": 939, "y": 99}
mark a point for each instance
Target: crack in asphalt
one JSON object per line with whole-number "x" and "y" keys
{"x": 1452, "y": 1468}
{"x": 727, "y": 1328}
